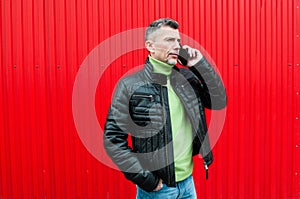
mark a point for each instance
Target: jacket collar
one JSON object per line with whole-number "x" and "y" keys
{"x": 156, "y": 77}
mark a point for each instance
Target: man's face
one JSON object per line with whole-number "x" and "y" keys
{"x": 164, "y": 45}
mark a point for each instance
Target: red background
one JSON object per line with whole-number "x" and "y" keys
{"x": 255, "y": 45}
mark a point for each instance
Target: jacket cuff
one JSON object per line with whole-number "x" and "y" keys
{"x": 201, "y": 62}
{"x": 147, "y": 181}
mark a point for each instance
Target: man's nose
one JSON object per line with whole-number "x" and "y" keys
{"x": 177, "y": 45}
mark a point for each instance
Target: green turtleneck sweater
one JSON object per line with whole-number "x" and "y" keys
{"x": 181, "y": 126}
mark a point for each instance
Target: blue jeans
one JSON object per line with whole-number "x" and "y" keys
{"x": 183, "y": 189}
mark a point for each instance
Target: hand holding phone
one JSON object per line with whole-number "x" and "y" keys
{"x": 189, "y": 56}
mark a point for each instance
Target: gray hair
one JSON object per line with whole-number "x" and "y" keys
{"x": 155, "y": 25}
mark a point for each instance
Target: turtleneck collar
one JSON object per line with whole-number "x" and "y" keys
{"x": 160, "y": 67}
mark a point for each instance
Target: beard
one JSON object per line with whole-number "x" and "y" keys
{"x": 171, "y": 61}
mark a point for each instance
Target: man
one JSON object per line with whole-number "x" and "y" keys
{"x": 162, "y": 108}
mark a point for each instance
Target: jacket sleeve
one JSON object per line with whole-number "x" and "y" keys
{"x": 116, "y": 131}
{"x": 212, "y": 93}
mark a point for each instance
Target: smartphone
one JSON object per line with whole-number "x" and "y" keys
{"x": 183, "y": 56}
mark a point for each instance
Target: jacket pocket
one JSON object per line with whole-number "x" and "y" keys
{"x": 140, "y": 105}
{"x": 149, "y": 97}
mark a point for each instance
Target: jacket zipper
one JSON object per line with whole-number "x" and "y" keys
{"x": 166, "y": 134}
{"x": 144, "y": 96}
{"x": 195, "y": 130}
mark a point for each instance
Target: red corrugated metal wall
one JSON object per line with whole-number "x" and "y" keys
{"x": 255, "y": 45}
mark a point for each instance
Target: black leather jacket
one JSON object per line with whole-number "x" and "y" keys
{"x": 140, "y": 108}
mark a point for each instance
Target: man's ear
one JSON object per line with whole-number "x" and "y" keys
{"x": 149, "y": 46}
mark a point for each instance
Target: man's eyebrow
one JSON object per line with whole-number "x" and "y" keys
{"x": 168, "y": 37}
